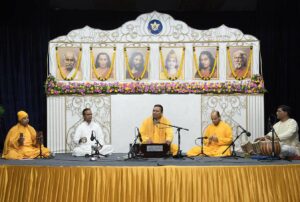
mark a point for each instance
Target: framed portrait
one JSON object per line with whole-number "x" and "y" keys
{"x": 172, "y": 63}
{"x": 239, "y": 63}
{"x": 137, "y": 63}
{"x": 68, "y": 63}
{"x": 206, "y": 61}
{"x": 103, "y": 63}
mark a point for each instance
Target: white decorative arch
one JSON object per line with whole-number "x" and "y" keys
{"x": 137, "y": 31}
{"x": 127, "y": 111}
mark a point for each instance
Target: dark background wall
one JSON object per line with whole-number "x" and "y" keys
{"x": 27, "y": 26}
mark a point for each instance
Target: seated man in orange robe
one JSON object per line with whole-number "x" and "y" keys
{"x": 153, "y": 132}
{"x": 218, "y": 137}
{"x": 21, "y": 141}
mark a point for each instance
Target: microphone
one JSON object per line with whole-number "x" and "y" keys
{"x": 271, "y": 120}
{"x": 139, "y": 134}
{"x": 245, "y": 131}
{"x": 21, "y": 139}
{"x": 40, "y": 138}
{"x": 92, "y": 136}
{"x": 201, "y": 138}
{"x": 269, "y": 123}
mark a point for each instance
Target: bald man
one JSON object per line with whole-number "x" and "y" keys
{"x": 21, "y": 141}
{"x": 218, "y": 136}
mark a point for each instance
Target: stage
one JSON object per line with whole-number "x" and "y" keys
{"x": 115, "y": 178}
{"x": 122, "y": 160}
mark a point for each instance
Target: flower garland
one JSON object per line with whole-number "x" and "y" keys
{"x": 110, "y": 68}
{"x": 172, "y": 78}
{"x": 231, "y": 68}
{"x": 60, "y": 70}
{"x": 253, "y": 86}
{"x": 197, "y": 65}
{"x": 129, "y": 68}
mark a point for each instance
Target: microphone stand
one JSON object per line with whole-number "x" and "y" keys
{"x": 202, "y": 144}
{"x": 132, "y": 154}
{"x": 39, "y": 140}
{"x": 233, "y": 153}
{"x": 202, "y": 149}
{"x": 273, "y": 155}
{"x": 97, "y": 153}
{"x": 179, "y": 154}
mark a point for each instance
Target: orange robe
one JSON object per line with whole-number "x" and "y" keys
{"x": 240, "y": 73}
{"x": 29, "y": 150}
{"x": 158, "y": 133}
{"x": 224, "y": 133}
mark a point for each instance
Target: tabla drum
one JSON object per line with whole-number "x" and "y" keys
{"x": 247, "y": 148}
{"x": 256, "y": 147}
{"x": 266, "y": 148}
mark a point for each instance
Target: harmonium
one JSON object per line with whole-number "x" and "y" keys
{"x": 152, "y": 150}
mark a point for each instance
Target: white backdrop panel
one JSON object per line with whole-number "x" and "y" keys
{"x": 129, "y": 111}
{"x": 119, "y": 115}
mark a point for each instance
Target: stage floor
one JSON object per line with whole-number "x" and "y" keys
{"x": 119, "y": 159}
{"x": 114, "y": 178}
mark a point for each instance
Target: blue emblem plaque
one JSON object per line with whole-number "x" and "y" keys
{"x": 155, "y": 26}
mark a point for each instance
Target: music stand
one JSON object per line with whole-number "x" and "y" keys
{"x": 179, "y": 154}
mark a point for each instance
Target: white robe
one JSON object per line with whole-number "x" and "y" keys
{"x": 287, "y": 132}
{"x": 85, "y": 130}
